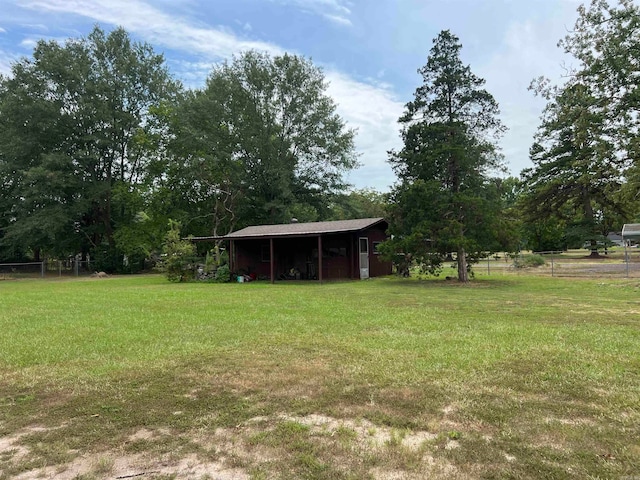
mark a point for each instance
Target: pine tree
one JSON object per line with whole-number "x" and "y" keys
{"x": 444, "y": 202}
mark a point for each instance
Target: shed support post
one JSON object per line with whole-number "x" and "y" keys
{"x": 232, "y": 256}
{"x": 271, "y": 261}
{"x": 355, "y": 263}
{"x": 320, "y": 258}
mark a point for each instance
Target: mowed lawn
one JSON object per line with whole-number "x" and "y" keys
{"x": 134, "y": 377}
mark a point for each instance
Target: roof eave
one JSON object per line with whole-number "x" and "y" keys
{"x": 274, "y": 235}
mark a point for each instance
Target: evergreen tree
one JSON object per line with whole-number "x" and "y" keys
{"x": 577, "y": 172}
{"x": 586, "y": 153}
{"x": 445, "y": 201}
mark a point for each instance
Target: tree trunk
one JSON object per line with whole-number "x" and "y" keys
{"x": 107, "y": 222}
{"x": 594, "y": 250}
{"x": 463, "y": 275}
{"x": 590, "y": 215}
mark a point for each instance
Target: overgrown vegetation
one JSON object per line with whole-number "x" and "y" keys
{"x": 528, "y": 260}
{"x": 178, "y": 256}
{"x": 512, "y": 377}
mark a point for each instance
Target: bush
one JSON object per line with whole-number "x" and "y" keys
{"x": 223, "y": 274}
{"x": 178, "y": 256}
{"x": 529, "y": 261}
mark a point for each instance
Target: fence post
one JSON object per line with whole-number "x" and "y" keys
{"x": 488, "y": 265}
{"x": 59, "y": 267}
{"x": 42, "y": 269}
{"x": 626, "y": 258}
{"x": 75, "y": 265}
{"x": 552, "y": 264}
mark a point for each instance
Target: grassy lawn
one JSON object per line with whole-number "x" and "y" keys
{"x": 510, "y": 377}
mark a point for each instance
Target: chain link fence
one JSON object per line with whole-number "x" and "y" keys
{"x": 614, "y": 263}
{"x": 17, "y": 270}
{"x": 48, "y": 268}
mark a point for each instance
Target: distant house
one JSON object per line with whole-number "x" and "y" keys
{"x": 615, "y": 239}
{"x": 344, "y": 249}
{"x": 631, "y": 232}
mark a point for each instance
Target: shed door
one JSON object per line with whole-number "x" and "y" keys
{"x": 363, "y": 249}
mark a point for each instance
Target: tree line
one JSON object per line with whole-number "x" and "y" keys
{"x": 101, "y": 149}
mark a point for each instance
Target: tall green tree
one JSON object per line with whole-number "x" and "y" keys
{"x": 261, "y": 143}
{"x": 577, "y": 171}
{"x": 606, "y": 42}
{"x": 37, "y": 182}
{"x": 445, "y": 200}
{"x": 77, "y": 135}
{"x": 586, "y": 153}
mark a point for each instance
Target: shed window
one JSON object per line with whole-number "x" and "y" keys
{"x": 376, "y": 250}
{"x": 364, "y": 245}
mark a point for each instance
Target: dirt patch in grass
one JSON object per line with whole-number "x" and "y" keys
{"x": 278, "y": 446}
{"x": 109, "y": 465}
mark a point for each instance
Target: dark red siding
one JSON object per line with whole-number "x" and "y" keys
{"x": 340, "y": 257}
{"x": 252, "y": 256}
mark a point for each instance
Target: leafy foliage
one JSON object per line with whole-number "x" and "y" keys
{"x": 178, "y": 256}
{"x": 359, "y": 203}
{"x": 223, "y": 274}
{"x": 261, "y": 143}
{"x": 99, "y": 147}
{"x": 528, "y": 261}
{"x": 77, "y": 125}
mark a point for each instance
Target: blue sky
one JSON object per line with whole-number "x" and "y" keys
{"x": 369, "y": 50}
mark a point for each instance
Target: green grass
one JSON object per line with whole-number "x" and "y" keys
{"x": 510, "y": 377}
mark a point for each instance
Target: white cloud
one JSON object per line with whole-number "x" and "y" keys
{"x": 374, "y": 111}
{"x": 191, "y": 74}
{"x": 156, "y": 26}
{"x": 28, "y": 43}
{"x": 35, "y": 26}
{"x": 338, "y": 20}
{"x": 2, "y": 30}
{"x": 336, "y": 11}
{"x": 528, "y": 51}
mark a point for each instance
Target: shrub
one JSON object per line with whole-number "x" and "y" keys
{"x": 223, "y": 274}
{"x": 177, "y": 261}
{"x": 528, "y": 261}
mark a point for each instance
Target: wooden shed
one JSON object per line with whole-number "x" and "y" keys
{"x": 344, "y": 249}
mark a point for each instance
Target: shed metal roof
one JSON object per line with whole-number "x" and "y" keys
{"x": 300, "y": 229}
{"x": 631, "y": 230}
